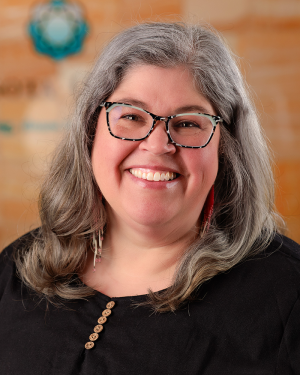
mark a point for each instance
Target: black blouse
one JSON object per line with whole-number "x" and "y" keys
{"x": 245, "y": 321}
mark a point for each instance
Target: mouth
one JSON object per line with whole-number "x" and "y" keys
{"x": 153, "y": 175}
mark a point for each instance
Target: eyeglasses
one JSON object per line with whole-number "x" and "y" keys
{"x": 130, "y": 123}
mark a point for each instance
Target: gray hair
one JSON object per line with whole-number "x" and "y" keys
{"x": 243, "y": 222}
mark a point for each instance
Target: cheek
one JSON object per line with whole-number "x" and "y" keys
{"x": 108, "y": 153}
{"x": 211, "y": 154}
{"x": 203, "y": 163}
{"x": 101, "y": 157}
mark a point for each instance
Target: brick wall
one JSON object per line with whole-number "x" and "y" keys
{"x": 35, "y": 91}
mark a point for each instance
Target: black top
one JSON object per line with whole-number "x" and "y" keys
{"x": 246, "y": 321}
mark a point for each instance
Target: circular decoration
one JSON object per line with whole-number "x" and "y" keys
{"x": 94, "y": 336}
{"x": 110, "y": 305}
{"x": 102, "y": 320}
{"x": 106, "y": 312}
{"x": 98, "y": 328}
{"x": 57, "y": 28}
{"x": 89, "y": 345}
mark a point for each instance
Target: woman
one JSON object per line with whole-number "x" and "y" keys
{"x": 157, "y": 196}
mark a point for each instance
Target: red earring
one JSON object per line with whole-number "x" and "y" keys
{"x": 208, "y": 209}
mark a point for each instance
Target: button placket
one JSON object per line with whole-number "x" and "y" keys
{"x": 99, "y": 328}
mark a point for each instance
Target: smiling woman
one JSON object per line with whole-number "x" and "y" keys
{"x": 159, "y": 192}
{"x": 161, "y": 216}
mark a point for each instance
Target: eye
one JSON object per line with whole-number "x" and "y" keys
{"x": 131, "y": 117}
{"x": 186, "y": 124}
{"x": 190, "y": 123}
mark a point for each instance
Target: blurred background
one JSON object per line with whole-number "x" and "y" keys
{"x": 36, "y": 88}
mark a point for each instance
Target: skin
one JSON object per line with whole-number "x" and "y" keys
{"x": 150, "y": 224}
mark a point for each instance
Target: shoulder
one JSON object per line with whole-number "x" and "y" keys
{"x": 7, "y": 264}
{"x": 280, "y": 260}
{"x": 23, "y": 242}
{"x": 284, "y": 246}
{"x": 278, "y": 263}
{"x": 253, "y": 309}
{"x": 277, "y": 283}
{"x": 270, "y": 277}
{"x": 265, "y": 286}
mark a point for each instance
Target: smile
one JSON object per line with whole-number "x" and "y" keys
{"x": 153, "y": 176}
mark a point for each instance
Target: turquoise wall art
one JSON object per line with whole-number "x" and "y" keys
{"x": 57, "y": 28}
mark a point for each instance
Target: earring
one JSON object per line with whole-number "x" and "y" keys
{"x": 208, "y": 210}
{"x": 97, "y": 247}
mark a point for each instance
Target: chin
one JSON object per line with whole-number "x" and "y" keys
{"x": 153, "y": 217}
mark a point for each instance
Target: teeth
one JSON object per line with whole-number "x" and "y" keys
{"x": 156, "y": 176}
{"x": 149, "y": 176}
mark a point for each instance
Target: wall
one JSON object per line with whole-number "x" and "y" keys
{"x": 36, "y": 92}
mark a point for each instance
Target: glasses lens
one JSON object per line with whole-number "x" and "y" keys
{"x": 192, "y": 130}
{"x": 129, "y": 122}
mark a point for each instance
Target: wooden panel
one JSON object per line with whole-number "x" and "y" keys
{"x": 35, "y": 91}
{"x": 35, "y": 97}
{"x": 266, "y": 36}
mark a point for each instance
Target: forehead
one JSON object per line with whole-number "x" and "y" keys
{"x": 160, "y": 90}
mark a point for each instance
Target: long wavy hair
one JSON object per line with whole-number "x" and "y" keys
{"x": 244, "y": 220}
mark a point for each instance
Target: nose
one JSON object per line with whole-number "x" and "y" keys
{"x": 158, "y": 142}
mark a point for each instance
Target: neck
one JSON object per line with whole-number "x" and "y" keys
{"x": 136, "y": 258}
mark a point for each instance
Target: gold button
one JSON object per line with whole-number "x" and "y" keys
{"x": 89, "y": 345}
{"x": 102, "y": 320}
{"x": 98, "y": 328}
{"x": 110, "y": 305}
{"x": 93, "y": 336}
{"x": 106, "y": 312}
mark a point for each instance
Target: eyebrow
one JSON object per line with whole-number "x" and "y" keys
{"x": 184, "y": 109}
{"x": 192, "y": 108}
{"x": 134, "y": 102}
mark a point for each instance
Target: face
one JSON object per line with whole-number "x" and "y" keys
{"x": 139, "y": 202}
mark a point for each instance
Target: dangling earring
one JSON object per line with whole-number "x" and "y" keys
{"x": 208, "y": 210}
{"x": 97, "y": 247}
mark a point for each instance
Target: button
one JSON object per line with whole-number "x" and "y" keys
{"x": 98, "y": 328}
{"x": 102, "y": 320}
{"x": 110, "y": 305}
{"x": 106, "y": 312}
{"x": 89, "y": 345}
{"x": 93, "y": 336}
